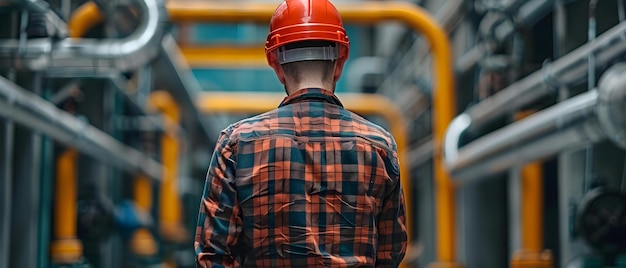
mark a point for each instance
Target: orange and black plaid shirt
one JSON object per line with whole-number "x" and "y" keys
{"x": 309, "y": 184}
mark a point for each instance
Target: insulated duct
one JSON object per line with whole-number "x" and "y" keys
{"x": 584, "y": 119}
{"x": 30, "y": 110}
{"x": 86, "y": 56}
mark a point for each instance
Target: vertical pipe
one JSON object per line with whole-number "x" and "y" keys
{"x": 169, "y": 206}
{"x": 142, "y": 242}
{"x": 66, "y": 248}
{"x": 531, "y": 254}
{"x": 6, "y": 163}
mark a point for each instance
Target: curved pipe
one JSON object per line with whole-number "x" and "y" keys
{"x": 484, "y": 155}
{"x": 567, "y": 70}
{"x": 85, "y": 56}
{"x": 84, "y": 18}
{"x": 368, "y": 13}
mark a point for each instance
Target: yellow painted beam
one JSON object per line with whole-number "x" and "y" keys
{"x": 225, "y": 57}
{"x": 66, "y": 248}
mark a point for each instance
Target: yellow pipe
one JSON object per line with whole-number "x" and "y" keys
{"x": 170, "y": 205}
{"x": 142, "y": 242}
{"x": 531, "y": 255}
{"x": 225, "y": 57}
{"x": 66, "y": 248}
{"x": 83, "y": 19}
{"x": 444, "y": 100}
{"x": 371, "y": 13}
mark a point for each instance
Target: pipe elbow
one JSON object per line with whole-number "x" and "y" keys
{"x": 611, "y": 108}
{"x": 452, "y": 137}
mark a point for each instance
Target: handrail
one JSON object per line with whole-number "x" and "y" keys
{"x": 371, "y": 13}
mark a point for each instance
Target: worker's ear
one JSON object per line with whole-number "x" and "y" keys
{"x": 338, "y": 69}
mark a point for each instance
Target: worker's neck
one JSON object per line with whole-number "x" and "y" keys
{"x": 293, "y": 87}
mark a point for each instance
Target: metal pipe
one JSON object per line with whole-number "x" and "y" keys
{"x": 142, "y": 241}
{"x": 371, "y": 13}
{"x": 84, "y": 56}
{"x": 34, "y": 112}
{"x": 84, "y": 18}
{"x": 471, "y": 161}
{"x": 225, "y": 57}
{"x": 530, "y": 204}
{"x": 66, "y": 247}
{"x": 569, "y": 69}
{"x": 170, "y": 206}
{"x": 60, "y": 28}
{"x": 527, "y": 14}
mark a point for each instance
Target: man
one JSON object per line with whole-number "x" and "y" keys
{"x": 309, "y": 184}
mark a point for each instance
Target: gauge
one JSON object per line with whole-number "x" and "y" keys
{"x": 602, "y": 221}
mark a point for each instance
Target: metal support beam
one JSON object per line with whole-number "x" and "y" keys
{"x": 34, "y": 112}
{"x": 6, "y": 182}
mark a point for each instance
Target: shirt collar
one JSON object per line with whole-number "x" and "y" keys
{"x": 311, "y": 94}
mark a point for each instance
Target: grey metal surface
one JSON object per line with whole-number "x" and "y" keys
{"x": 527, "y": 14}
{"x": 567, "y": 70}
{"x": 611, "y": 107}
{"x": 85, "y": 56}
{"x": 6, "y": 189}
{"x": 542, "y": 134}
{"x": 25, "y": 214}
{"x": 59, "y": 27}
{"x": 30, "y": 110}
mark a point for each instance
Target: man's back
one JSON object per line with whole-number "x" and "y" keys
{"x": 310, "y": 184}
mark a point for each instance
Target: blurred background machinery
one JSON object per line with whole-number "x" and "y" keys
{"x": 510, "y": 116}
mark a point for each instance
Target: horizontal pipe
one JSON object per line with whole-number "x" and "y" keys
{"x": 87, "y": 56}
{"x": 530, "y": 139}
{"x": 225, "y": 57}
{"x": 568, "y": 69}
{"x": 32, "y": 111}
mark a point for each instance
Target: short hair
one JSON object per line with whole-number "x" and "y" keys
{"x": 299, "y": 70}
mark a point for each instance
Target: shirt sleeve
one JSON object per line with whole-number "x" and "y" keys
{"x": 219, "y": 219}
{"x": 392, "y": 233}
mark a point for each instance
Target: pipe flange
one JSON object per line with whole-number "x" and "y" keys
{"x": 611, "y": 106}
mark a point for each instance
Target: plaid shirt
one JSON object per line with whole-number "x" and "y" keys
{"x": 308, "y": 184}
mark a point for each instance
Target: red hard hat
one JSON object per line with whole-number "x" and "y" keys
{"x": 306, "y": 20}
